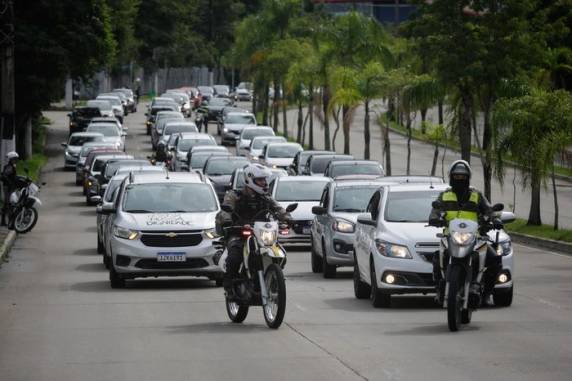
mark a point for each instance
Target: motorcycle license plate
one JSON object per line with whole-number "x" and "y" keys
{"x": 171, "y": 257}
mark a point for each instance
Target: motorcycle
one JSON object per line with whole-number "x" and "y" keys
{"x": 261, "y": 278}
{"x": 466, "y": 245}
{"x": 24, "y": 201}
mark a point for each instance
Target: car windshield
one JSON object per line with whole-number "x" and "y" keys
{"x": 111, "y": 189}
{"x": 106, "y": 130}
{"x": 249, "y": 134}
{"x": 164, "y": 119}
{"x": 100, "y": 104}
{"x": 81, "y": 140}
{"x": 240, "y": 119}
{"x": 283, "y": 152}
{"x": 198, "y": 160}
{"x": 98, "y": 164}
{"x": 205, "y": 90}
{"x": 169, "y": 198}
{"x": 352, "y": 199}
{"x": 224, "y": 167}
{"x": 114, "y": 101}
{"x": 86, "y": 150}
{"x": 88, "y": 112}
{"x": 112, "y": 168}
{"x": 221, "y": 89}
{"x": 176, "y": 128}
{"x": 413, "y": 206}
{"x": 184, "y": 145}
{"x": 261, "y": 143}
{"x": 299, "y": 190}
{"x": 219, "y": 102}
{"x": 359, "y": 169}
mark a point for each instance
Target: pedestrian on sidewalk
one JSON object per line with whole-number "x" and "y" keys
{"x": 8, "y": 182}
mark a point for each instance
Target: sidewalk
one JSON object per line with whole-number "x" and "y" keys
{"x": 7, "y": 238}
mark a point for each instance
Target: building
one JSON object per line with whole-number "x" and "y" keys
{"x": 385, "y": 11}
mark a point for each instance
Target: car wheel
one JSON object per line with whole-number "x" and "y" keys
{"x": 115, "y": 279}
{"x": 106, "y": 261}
{"x": 361, "y": 289}
{"x": 329, "y": 270}
{"x": 378, "y": 299}
{"x": 87, "y": 201}
{"x": 316, "y": 261}
{"x": 503, "y": 297}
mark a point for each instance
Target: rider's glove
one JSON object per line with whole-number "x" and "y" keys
{"x": 437, "y": 222}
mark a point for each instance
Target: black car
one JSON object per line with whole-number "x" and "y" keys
{"x": 215, "y": 106}
{"x": 219, "y": 170}
{"x": 80, "y": 118}
{"x": 152, "y": 113}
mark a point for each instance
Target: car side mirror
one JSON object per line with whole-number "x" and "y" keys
{"x": 365, "y": 219}
{"x": 261, "y": 156}
{"x": 64, "y": 145}
{"x": 498, "y": 207}
{"x": 227, "y": 208}
{"x": 292, "y": 207}
{"x": 108, "y": 209}
{"x": 318, "y": 210}
{"x": 98, "y": 209}
{"x": 123, "y": 134}
{"x": 70, "y": 115}
{"x": 95, "y": 199}
{"x": 507, "y": 217}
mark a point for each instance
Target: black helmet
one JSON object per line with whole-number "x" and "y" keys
{"x": 460, "y": 175}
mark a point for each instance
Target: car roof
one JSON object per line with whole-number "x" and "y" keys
{"x": 211, "y": 153}
{"x": 166, "y": 112}
{"x": 257, "y": 128}
{"x": 317, "y": 153}
{"x": 305, "y": 178}
{"x": 416, "y": 179}
{"x": 113, "y": 156}
{"x": 201, "y": 149}
{"x": 416, "y": 187}
{"x": 245, "y": 113}
{"x": 283, "y": 144}
{"x": 179, "y": 122}
{"x": 101, "y": 125}
{"x": 110, "y": 119}
{"x": 86, "y": 134}
{"x": 227, "y": 158}
{"x": 195, "y": 135}
{"x": 354, "y": 162}
{"x": 167, "y": 177}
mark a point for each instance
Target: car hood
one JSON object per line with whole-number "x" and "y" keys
{"x": 168, "y": 221}
{"x": 409, "y": 233}
{"x": 111, "y": 139}
{"x": 220, "y": 180}
{"x": 279, "y": 162}
{"x": 352, "y": 217}
{"x": 236, "y": 127}
{"x": 74, "y": 149}
{"x": 303, "y": 211}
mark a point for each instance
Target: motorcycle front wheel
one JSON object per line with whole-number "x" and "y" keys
{"x": 455, "y": 298}
{"x": 236, "y": 312}
{"x": 25, "y": 220}
{"x": 275, "y": 307}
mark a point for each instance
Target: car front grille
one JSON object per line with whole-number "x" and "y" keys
{"x": 152, "y": 264}
{"x": 298, "y": 226}
{"x": 427, "y": 250}
{"x": 171, "y": 239}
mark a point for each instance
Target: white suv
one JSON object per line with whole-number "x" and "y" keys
{"x": 163, "y": 225}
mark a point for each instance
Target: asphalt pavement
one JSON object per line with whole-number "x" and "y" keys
{"x": 60, "y": 320}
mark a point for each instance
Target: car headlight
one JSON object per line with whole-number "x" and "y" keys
{"x": 125, "y": 233}
{"x": 462, "y": 238}
{"x": 268, "y": 237}
{"x": 391, "y": 250}
{"x": 343, "y": 226}
{"x": 504, "y": 248}
{"x": 68, "y": 154}
{"x": 210, "y": 233}
{"x": 225, "y": 129}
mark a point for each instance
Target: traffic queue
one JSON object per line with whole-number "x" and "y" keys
{"x": 156, "y": 215}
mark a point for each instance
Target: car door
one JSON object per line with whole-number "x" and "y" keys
{"x": 367, "y": 235}
{"x": 110, "y": 220}
{"x": 318, "y": 227}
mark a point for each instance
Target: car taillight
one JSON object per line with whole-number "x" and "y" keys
{"x": 246, "y": 231}
{"x": 284, "y": 231}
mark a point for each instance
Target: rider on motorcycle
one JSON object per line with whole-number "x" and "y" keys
{"x": 247, "y": 205}
{"x": 463, "y": 201}
{"x": 9, "y": 182}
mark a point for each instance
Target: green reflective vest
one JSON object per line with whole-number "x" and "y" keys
{"x": 467, "y": 210}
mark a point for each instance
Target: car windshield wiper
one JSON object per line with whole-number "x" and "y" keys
{"x": 175, "y": 211}
{"x": 349, "y": 210}
{"x": 215, "y": 174}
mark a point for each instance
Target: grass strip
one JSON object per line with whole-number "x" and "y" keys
{"x": 542, "y": 231}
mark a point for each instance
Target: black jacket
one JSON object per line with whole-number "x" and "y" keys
{"x": 9, "y": 176}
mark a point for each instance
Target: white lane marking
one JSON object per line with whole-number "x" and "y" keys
{"x": 300, "y": 307}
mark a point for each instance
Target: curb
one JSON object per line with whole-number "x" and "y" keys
{"x": 541, "y": 243}
{"x": 7, "y": 245}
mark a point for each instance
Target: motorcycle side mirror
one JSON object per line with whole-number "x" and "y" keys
{"x": 64, "y": 145}
{"x": 318, "y": 210}
{"x": 440, "y": 235}
{"x": 498, "y": 207}
{"x": 292, "y": 207}
{"x": 436, "y": 204}
{"x": 507, "y": 217}
{"x": 99, "y": 209}
{"x": 227, "y": 208}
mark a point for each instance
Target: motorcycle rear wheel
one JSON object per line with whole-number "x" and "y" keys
{"x": 236, "y": 312}
{"x": 455, "y": 299}
{"x": 25, "y": 220}
{"x": 275, "y": 308}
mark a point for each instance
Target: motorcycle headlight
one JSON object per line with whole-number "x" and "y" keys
{"x": 125, "y": 233}
{"x": 504, "y": 248}
{"x": 210, "y": 233}
{"x": 393, "y": 251}
{"x": 343, "y": 226}
{"x": 268, "y": 237}
{"x": 462, "y": 238}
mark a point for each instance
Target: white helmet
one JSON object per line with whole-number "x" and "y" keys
{"x": 12, "y": 155}
{"x": 254, "y": 172}
{"x": 458, "y": 166}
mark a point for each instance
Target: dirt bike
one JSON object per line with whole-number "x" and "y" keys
{"x": 24, "y": 201}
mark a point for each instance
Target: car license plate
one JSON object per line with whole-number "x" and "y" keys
{"x": 306, "y": 229}
{"x": 171, "y": 257}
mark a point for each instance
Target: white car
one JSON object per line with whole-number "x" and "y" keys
{"x": 249, "y": 133}
{"x": 163, "y": 225}
{"x": 74, "y": 144}
{"x": 184, "y": 142}
{"x": 394, "y": 246}
{"x": 111, "y": 134}
{"x": 279, "y": 155}
{"x": 233, "y": 124}
{"x": 104, "y": 107}
{"x": 304, "y": 190}
{"x": 258, "y": 143}
{"x": 116, "y": 105}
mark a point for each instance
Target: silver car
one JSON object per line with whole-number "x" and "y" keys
{"x": 304, "y": 190}
{"x": 111, "y": 134}
{"x": 163, "y": 225}
{"x": 116, "y": 105}
{"x": 74, "y": 145}
{"x": 279, "y": 155}
{"x": 258, "y": 143}
{"x": 247, "y": 134}
{"x": 333, "y": 228}
{"x": 160, "y": 119}
{"x": 85, "y": 150}
{"x": 183, "y": 144}
{"x": 394, "y": 247}
{"x": 104, "y": 107}
{"x": 232, "y": 125}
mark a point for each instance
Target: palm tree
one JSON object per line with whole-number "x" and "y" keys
{"x": 369, "y": 86}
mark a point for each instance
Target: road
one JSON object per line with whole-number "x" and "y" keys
{"x": 60, "y": 320}
{"x": 422, "y": 159}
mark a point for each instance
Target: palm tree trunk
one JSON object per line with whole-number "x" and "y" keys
{"x": 311, "y": 112}
{"x": 325, "y": 106}
{"x": 435, "y": 159}
{"x": 366, "y": 134}
{"x": 275, "y": 107}
{"x": 487, "y": 160}
{"x": 300, "y": 121}
{"x": 534, "y": 214}
{"x": 440, "y": 111}
{"x": 337, "y": 120}
{"x": 387, "y": 148}
{"x": 465, "y": 125}
{"x": 555, "y": 198}
{"x": 346, "y": 128}
{"x": 284, "y": 119}
{"x": 423, "y": 119}
{"x": 266, "y": 104}
{"x": 409, "y": 133}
